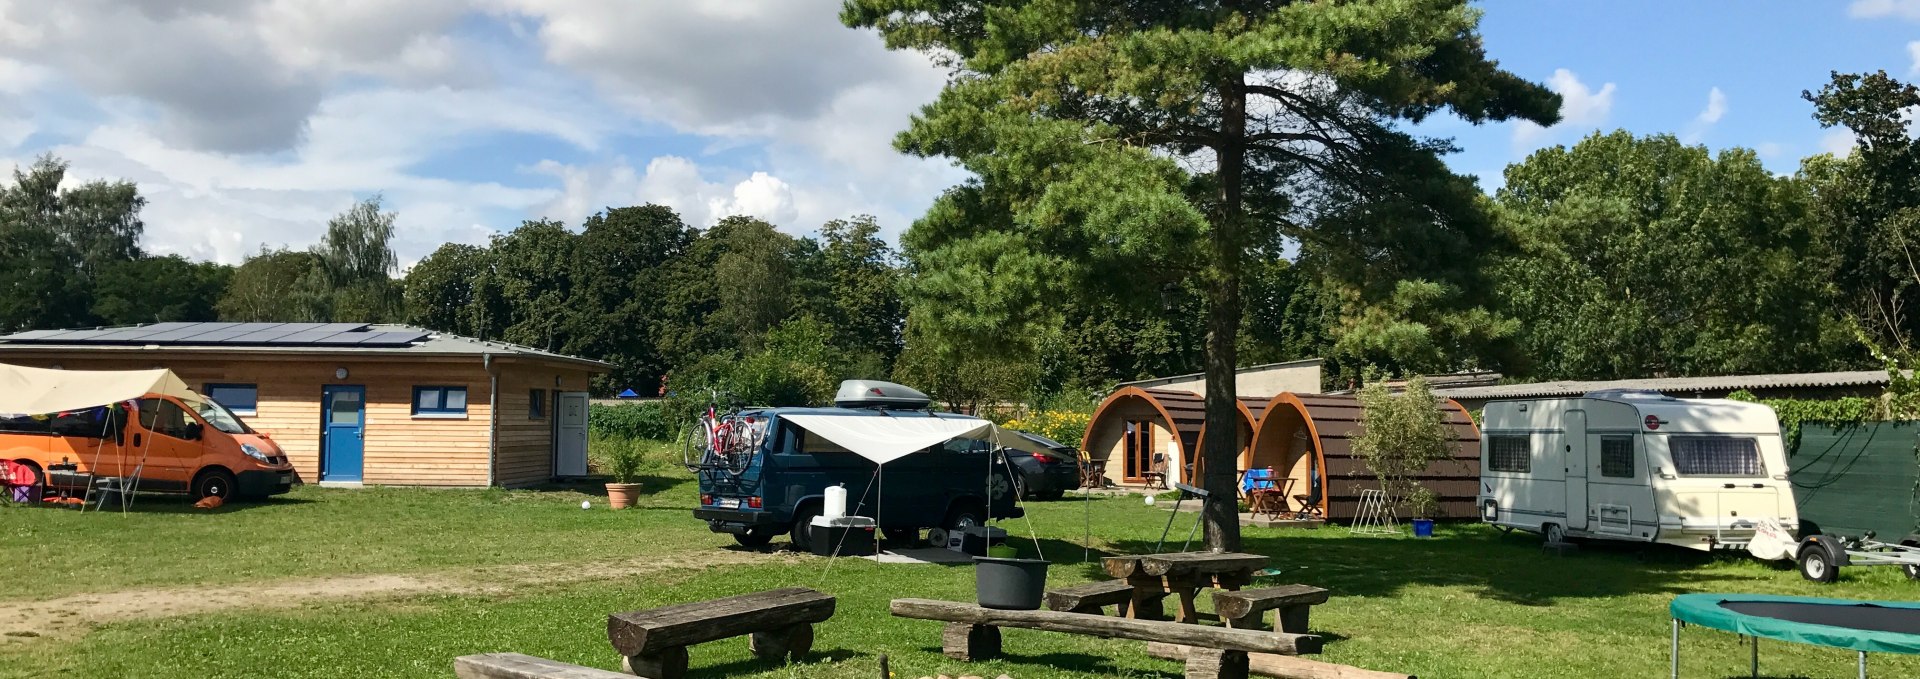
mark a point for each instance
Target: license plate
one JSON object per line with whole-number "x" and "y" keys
{"x": 286, "y": 479}
{"x": 726, "y": 504}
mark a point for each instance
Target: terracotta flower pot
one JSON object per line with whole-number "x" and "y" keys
{"x": 621, "y": 495}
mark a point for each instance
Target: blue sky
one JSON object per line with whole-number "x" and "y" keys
{"x": 249, "y": 122}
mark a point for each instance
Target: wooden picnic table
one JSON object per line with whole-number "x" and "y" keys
{"x": 1184, "y": 574}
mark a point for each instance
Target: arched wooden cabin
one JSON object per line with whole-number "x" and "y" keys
{"x": 1134, "y": 428}
{"x": 1296, "y": 435}
{"x": 1302, "y": 434}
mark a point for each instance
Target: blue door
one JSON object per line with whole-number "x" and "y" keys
{"x": 343, "y": 417}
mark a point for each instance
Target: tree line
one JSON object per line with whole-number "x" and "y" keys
{"x": 1618, "y": 256}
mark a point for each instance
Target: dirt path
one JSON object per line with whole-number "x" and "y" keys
{"x": 22, "y": 621}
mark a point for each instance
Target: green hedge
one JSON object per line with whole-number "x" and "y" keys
{"x": 639, "y": 420}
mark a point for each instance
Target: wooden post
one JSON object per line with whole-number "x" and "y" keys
{"x": 1214, "y": 663}
{"x": 970, "y": 642}
{"x": 780, "y": 644}
{"x": 1293, "y": 618}
{"x": 667, "y": 663}
{"x": 1283, "y": 666}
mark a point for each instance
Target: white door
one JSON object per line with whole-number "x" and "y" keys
{"x": 570, "y": 435}
{"x": 1576, "y": 461}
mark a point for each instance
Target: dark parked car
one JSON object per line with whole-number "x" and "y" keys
{"x": 1046, "y": 476}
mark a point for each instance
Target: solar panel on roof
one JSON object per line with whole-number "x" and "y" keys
{"x": 30, "y": 334}
{"x": 392, "y": 339}
{"x": 342, "y": 339}
{"x": 135, "y": 334}
{"x": 264, "y": 336}
{"x": 217, "y": 335}
{"x": 82, "y": 335}
{"x": 304, "y": 337}
{"x": 187, "y": 333}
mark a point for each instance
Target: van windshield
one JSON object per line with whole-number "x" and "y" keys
{"x": 218, "y": 416}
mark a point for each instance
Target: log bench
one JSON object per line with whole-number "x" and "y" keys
{"x": 1094, "y": 597}
{"x": 1283, "y": 666}
{"x": 973, "y": 633}
{"x": 1245, "y": 609}
{"x": 778, "y": 623}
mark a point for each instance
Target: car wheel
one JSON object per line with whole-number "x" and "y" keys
{"x": 1816, "y": 566}
{"x": 213, "y": 483}
{"x": 754, "y": 538}
{"x": 802, "y": 534}
{"x": 1554, "y": 533}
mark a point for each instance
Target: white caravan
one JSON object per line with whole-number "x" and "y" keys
{"x": 1631, "y": 465}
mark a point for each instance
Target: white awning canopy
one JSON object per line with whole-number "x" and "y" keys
{"x": 39, "y": 391}
{"x": 885, "y": 439}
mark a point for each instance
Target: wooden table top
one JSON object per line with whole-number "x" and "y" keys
{"x": 1182, "y": 563}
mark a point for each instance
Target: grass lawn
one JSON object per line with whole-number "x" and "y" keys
{"x": 534, "y": 576}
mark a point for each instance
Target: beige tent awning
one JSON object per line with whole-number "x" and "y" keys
{"x": 885, "y": 439}
{"x": 39, "y": 391}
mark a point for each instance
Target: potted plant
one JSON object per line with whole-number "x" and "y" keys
{"x": 623, "y": 459}
{"x": 1423, "y": 503}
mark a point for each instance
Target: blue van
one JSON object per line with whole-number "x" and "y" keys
{"x": 781, "y": 487}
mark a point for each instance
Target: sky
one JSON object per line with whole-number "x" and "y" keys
{"x": 247, "y": 123}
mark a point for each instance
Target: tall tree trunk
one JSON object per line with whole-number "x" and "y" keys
{"x": 1221, "y": 449}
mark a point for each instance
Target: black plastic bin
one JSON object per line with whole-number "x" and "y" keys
{"x": 1009, "y": 584}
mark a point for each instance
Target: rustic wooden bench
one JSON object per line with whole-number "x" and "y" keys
{"x": 519, "y": 666}
{"x": 1244, "y": 609}
{"x": 973, "y": 633}
{"x": 779, "y": 622}
{"x": 1094, "y": 597}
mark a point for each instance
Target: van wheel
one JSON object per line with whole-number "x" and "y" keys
{"x": 213, "y": 483}
{"x": 965, "y": 514}
{"x": 802, "y": 534}
{"x": 754, "y": 538}
{"x": 1816, "y": 566}
{"x": 1554, "y": 533}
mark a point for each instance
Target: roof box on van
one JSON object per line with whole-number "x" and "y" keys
{"x": 877, "y": 394}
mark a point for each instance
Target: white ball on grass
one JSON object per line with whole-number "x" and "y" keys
{"x": 586, "y": 504}
{"x": 1149, "y": 500}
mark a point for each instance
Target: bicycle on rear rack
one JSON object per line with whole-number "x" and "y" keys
{"x": 722, "y": 439}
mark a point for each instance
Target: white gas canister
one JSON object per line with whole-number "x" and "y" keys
{"x": 836, "y": 504}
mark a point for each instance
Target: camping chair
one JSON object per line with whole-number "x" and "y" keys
{"x": 1264, "y": 493}
{"x": 1157, "y": 476}
{"x": 1310, "y": 502}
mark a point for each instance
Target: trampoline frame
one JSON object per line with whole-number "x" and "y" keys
{"x": 1695, "y": 610}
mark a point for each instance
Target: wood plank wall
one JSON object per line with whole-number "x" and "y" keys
{"x": 400, "y": 449}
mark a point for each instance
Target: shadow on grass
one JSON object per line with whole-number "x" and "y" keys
{"x": 1509, "y": 568}
{"x": 168, "y": 503}
{"x": 754, "y": 665}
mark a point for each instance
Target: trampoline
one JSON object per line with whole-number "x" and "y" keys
{"x": 1860, "y": 626}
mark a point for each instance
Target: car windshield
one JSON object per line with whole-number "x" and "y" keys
{"x": 218, "y": 416}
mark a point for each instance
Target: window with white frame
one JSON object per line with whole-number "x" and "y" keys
{"x": 1510, "y": 453}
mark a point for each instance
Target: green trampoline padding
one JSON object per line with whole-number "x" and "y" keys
{"x": 1870, "y": 626}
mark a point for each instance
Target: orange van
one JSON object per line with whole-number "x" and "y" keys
{"x": 180, "y": 445}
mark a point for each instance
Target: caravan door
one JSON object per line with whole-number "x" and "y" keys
{"x": 1576, "y": 462}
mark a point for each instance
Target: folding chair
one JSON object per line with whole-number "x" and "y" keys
{"x": 1263, "y": 493}
{"x": 1157, "y": 478}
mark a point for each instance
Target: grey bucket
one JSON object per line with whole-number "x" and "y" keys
{"x": 1009, "y": 584}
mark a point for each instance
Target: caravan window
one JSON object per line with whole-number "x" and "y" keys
{"x": 1715, "y": 456}
{"x": 1616, "y": 457}
{"x": 1510, "y": 453}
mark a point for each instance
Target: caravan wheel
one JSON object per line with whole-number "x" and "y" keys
{"x": 1554, "y": 533}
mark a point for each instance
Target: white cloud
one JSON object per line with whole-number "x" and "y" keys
{"x": 1874, "y": 9}
{"x": 1913, "y": 54}
{"x": 1839, "y": 142}
{"x": 1581, "y": 107}
{"x": 1716, "y": 107}
{"x": 1768, "y": 150}
{"x": 251, "y": 121}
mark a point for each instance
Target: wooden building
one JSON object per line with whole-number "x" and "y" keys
{"x": 353, "y": 403}
{"x": 1304, "y": 438}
